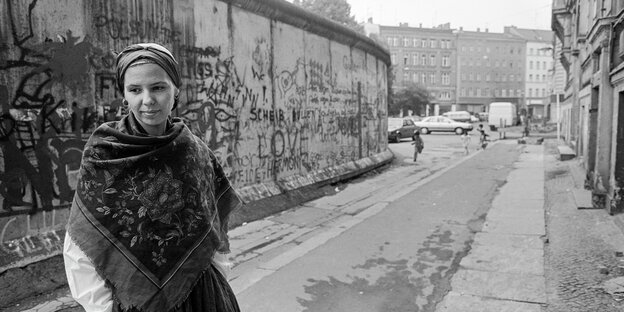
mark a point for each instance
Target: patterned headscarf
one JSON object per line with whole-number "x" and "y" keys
{"x": 150, "y": 52}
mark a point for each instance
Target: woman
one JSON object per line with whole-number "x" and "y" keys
{"x": 148, "y": 226}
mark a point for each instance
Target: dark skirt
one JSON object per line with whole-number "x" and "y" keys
{"x": 212, "y": 293}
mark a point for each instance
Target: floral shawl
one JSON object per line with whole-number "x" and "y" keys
{"x": 150, "y": 211}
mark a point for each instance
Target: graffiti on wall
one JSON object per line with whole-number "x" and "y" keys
{"x": 264, "y": 120}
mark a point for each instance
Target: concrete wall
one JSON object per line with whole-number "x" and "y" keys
{"x": 285, "y": 99}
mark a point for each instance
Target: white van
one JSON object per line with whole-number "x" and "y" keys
{"x": 461, "y": 116}
{"x": 502, "y": 114}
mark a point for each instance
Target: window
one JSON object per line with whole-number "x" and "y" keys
{"x": 393, "y": 58}
{"x": 390, "y": 41}
{"x": 432, "y": 60}
{"x": 415, "y": 58}
{"x": 462, "y": 92}
{"x": 487, "y": 77}
{"x": 432, "y": 78}
{"x": 504, "y": 77}
{"x": 423, "y": 78}
{"x": 478, "y": 91}
{"x": 406, "y": 42}
{"x": 414, "y": 77}
{"x": 423, "y": 59}
{"x": 530, "y": 92}
{"x": 531, "y": 51}
{"x": 470, "y": 92}
{"x": 423, "y": 43}
{"x": 478, "y": 77}
{"x": 511, "y": 77}
{"x": 486, "y": 92}
{"x": 537, "y": 65}
{"x": 446, "y": 79}
{"x": 543, "y": 92}
{"x": 543, "y": 77}
{"x": 530, "y": 77}
{"x": 463, "y": 76}
{"x": 445, "y": 61}
{"x": 396, "y": 41}
{"x": 432, "y": 43}
{"x": 405, "y": 76}
{"x": 504, "y": 93}
{"x": 471, "y": 77}
{"x": 544, "y": 65}
{"x": 530, "y": 64}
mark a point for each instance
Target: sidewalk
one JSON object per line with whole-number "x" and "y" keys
{"x": 504, "y": 270}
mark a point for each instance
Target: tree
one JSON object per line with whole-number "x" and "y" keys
{"x": 414, "y": 97}
{"x": 337, "y": 10}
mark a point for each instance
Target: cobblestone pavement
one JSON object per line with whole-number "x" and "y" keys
{"x": 582, "y": 243}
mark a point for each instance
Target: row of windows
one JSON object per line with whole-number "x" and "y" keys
{"x": 537, "y": 78}
{"x": 487, "y": 92}
{"x": 496, "y": 50}
{"x": 537, "y": 92}
{"x": 488, "y": 63}
{"x": 422, "y": 59}
{"x": 537, "y": 65}
{"x": 499, "y": 92}
{"x": 545, "y": 51}
{"x": 427, "y": 78}
{"x": 417, "y": 42}
{"x": 488, "y": 77}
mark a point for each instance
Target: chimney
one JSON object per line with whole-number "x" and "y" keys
{"x": 370, "y": 20}
{"x": 478, "y": 29}
{"x": 461, "y": 28}
{"x": 420, "y": 26}
{"x": 487, "y": 30}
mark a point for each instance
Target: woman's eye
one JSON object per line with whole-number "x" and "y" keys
{"x": 134, "y": 90}
{"x": 159, "y": 88}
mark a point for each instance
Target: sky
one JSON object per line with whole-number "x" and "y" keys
{"x": 469, "y": 14}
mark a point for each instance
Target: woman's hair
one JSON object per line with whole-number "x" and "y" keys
{"x": 147, "y": 53}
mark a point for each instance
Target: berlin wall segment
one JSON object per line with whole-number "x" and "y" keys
{"x": 267, "y": 100}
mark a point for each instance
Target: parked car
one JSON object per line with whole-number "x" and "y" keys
{"x": 442, "y": 124}
{"x": 483, "y": 116}
{"x": 399, "y": 128}
{"x": 461, "y": 116}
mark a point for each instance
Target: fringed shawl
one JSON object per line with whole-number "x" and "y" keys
{"x": 150, "y": 211}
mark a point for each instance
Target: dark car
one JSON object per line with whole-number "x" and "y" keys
{"x": 399, "y": 128}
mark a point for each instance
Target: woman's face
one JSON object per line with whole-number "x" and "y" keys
{"x": 150, "y": 94}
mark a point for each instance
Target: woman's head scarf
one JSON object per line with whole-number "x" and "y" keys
{"x": 150, "y": 52}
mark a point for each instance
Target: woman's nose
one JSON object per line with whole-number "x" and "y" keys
{"x": 148, "y": 99}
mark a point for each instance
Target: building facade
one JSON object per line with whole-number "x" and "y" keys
{"x": 491, "y": 69}
{"x": 538, "y": 69}
{"x": 467, "y": 70}
{"x": 425, "y": 57}
{"x": 592, "y": 54}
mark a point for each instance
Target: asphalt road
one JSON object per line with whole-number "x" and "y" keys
{"x": 402, "y": 258}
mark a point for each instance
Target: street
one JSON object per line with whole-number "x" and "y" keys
{"x": 398, "y": 258}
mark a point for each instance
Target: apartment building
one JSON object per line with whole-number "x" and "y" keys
{"x": 538, "y": 69}
{"x": 423, "y": 56}
{"x": 592, "y": 55}
{"x": 491, "y": 69}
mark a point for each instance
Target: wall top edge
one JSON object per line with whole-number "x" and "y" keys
{"x": 291, "y": 14}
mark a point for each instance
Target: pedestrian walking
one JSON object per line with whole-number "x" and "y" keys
{"x": 418, "y": 144}
{"x": 483, "y": 137}
{"x": 148, "y": 225}
{"x": 465, "y": 139}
